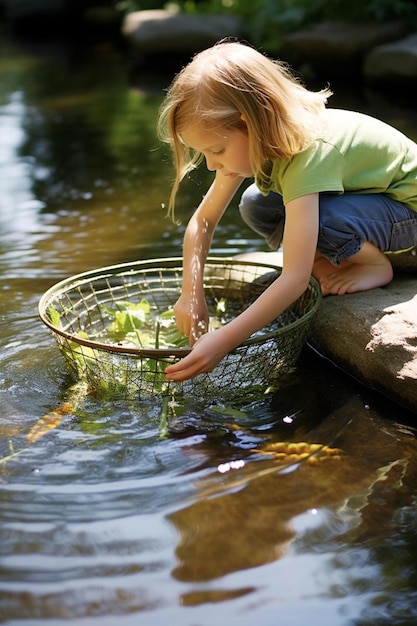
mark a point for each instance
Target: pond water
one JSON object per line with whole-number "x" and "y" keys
{"x": 103, "y": 521}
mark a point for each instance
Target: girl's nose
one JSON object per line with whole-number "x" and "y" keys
{"x": 212, "y": 164}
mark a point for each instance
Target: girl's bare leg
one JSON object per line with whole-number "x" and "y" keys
{"x": 367, "y": 269}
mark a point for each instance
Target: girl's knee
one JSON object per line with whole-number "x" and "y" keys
{"x": 265, "y": 215}
{"x": 249, "y": 202}
{"x": 255, "y": 207}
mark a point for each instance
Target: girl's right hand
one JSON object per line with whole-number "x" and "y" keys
{"x": 191, "y": 316}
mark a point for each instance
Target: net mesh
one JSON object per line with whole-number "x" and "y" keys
{"x": 77, "y": 312}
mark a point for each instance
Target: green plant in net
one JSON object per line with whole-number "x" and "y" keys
{"x": 130, "y": 324}
{"x": 133, "y": 324}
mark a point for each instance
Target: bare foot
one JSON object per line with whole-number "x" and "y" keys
{"x": 353, "y": 277}
{"x": 367, "y": 269}
{"x": 321, "y": 269}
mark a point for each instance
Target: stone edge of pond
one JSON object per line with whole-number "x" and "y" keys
{"x": 371, "y": 335}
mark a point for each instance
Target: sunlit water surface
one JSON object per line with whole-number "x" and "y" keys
{"x": 105, "y": 522}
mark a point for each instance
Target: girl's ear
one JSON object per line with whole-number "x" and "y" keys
{"x": 243, "y": 119}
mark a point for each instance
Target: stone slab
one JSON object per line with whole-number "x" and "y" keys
{"x": 371, "y": 335}
{"x": 158, "y": 31}
{"x": 397, "y": 60}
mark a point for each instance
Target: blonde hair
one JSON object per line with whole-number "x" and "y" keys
{"x": 227, "y": 82}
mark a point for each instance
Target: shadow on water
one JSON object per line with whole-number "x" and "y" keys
{"x": 230, "y": 518}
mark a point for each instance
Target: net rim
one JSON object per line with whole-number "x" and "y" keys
{"x": 104, "y": 272}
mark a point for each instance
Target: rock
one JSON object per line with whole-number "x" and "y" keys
{"x": 159, "y": 31}
{"x": 337, "y": 47}
{"x": 371, "y": 335}
{"x": 395, "y": 61}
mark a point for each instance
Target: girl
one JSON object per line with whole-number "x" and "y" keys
{"x": 348, "y": 183}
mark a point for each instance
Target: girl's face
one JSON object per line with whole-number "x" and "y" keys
{"x": 226, "y": 151}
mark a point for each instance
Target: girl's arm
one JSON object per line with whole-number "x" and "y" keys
{"x": 299, "y": 248}
{"x": 191, "y": 310}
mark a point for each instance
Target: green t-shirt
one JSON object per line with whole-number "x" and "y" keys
{"x": 355, "y": 153}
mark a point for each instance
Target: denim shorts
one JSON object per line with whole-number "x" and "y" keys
{"x": 346, "y": 221}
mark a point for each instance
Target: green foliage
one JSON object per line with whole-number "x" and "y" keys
{"x": 129, "y": 323}
{"x": 268, "y": 20}
{"x": 133, "y": 323}
{"x": 127, "y": 6}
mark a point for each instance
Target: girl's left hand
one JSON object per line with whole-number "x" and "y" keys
{"x": 191, "y": 316}
{"x": 205, "y": 355}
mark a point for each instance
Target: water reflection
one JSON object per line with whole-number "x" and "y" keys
{"x": 80, "y": 166}
{"x": 253, "y": 522}
{"x": 101, "y": 519}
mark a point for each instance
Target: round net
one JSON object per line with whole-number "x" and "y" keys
{"x": 116, "y": 329}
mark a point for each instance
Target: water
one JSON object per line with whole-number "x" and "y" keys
{"x": 104, "y": 521}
